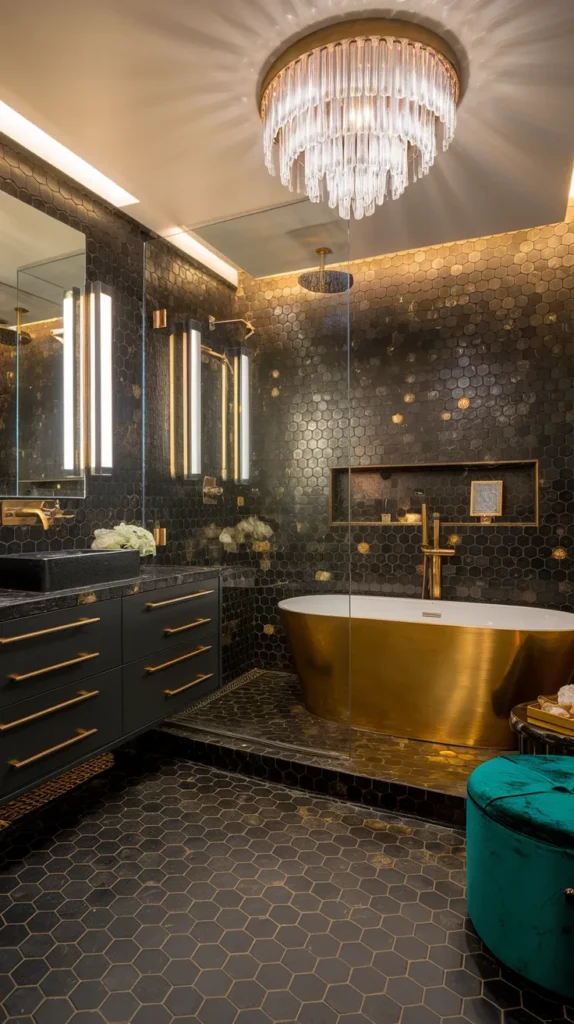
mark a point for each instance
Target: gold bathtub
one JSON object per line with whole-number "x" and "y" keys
{"x": 444, "y": 671}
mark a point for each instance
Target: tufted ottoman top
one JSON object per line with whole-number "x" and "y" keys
{"x": 530, "y": 794}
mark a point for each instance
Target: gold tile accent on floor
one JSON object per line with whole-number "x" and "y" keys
{"x": 37, "y": 798}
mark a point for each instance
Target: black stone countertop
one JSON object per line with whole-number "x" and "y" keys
{"x": 16, "y": 604}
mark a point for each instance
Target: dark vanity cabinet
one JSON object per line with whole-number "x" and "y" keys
{"x": 77, "y": 681}
{"x": 177, "y": 632}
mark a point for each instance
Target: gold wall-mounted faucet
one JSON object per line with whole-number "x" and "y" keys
{"x": 211, "y": 492}
{"x": 432, "y": 557}
{"x": 30, "y": 512}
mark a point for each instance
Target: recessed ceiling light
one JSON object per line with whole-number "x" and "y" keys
{"x": 190, "y": 245}
{"x": 43, "y": 145}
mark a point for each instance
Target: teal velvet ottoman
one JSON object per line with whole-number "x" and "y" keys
{"x": 520, "y": 868}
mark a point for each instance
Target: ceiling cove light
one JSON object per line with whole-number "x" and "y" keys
{"x": 189, "y": 244}
{"x": 353, "y": 111}
{"x": 43, "y": 145}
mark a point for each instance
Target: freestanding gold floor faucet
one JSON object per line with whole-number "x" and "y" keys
{"x": 432, "y": 587}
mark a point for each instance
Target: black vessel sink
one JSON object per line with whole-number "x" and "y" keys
{"x": 59, "y": 570}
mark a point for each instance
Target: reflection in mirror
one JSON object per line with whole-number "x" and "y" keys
{"x": 8, "y": 380}
{"x": 190, "y": 420}
{"x": 50, "y": 396}
{"x": 42, "y": 281}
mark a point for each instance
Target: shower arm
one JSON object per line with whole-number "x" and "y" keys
{"x": 213, "y": 323}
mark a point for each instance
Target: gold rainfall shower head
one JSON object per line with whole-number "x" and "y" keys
{"x": 325, "y": 282}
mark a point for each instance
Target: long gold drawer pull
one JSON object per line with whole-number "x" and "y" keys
{"x": 82, "y": 735}
{"x": 82, "y": 696}
{"x": 194, "y": 682}
{"x": 46, "y": 632}
{"x": 19, "y": 678}
{"x": 189, "y": 625}
{"x": 176, "y": 661}
{"x": 176, "y": 600}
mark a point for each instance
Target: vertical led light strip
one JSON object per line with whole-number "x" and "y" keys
{"x": 224, "y": 414}
{"x": 185, "y": 404}
{"x": 244, "y": 419}
{"x": 241, "y": 417}
{"x": 71, "y": 391}
{"x": 172, "y": 406}
{"x": 100, "y": 380}
{"x": 106, "y": 429}
{"x": 191, "y": 404}
{"x": 94, "y": 391}
{"x": 82, "y": 373}
{"x": 236, "y": 418}
{"x": 194, "y": 398}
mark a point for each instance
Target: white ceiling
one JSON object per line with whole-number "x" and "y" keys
{"x": 161, "y": 97}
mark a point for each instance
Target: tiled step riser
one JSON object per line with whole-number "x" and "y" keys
{"x": 332, "y": 782}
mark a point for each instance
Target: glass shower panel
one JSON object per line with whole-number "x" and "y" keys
{"x": 274, "y": 422}
{"x": 396, "y": 419}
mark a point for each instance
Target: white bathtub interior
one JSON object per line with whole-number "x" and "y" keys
{"x": 445, "y": 613}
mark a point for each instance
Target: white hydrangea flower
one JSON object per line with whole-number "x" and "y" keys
{"x": 106, "y": 540}
{"x": 125, "y": 536}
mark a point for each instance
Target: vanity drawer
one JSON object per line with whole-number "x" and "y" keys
{"x": 42, "y": 652}
{"x": 41, "y": 736}
{"x": 162, "y": 619}
{"x": 160, "y": 684}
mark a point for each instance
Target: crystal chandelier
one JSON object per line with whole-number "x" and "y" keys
{"x": 354, "y": 111}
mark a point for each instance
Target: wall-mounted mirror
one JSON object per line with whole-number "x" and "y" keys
{"x": 42, "y": 282}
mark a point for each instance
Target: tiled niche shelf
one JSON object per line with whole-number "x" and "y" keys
{"x": 374, "y": 491}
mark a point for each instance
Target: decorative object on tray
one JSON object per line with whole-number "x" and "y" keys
{"x": 486, "y": 499}
{"x": 554, "y": 713}
{"x": 125, "y": 536}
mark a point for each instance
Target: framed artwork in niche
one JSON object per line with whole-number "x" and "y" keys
{"x": 486, "y": 499}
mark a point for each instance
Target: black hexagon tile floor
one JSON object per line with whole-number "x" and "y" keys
{"x": 165, "y": 892}
{"x": 269, "y": 708}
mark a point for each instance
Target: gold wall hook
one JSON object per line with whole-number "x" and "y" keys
{"x": 160, "y": 536}
{"x": 159, "y": 319}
